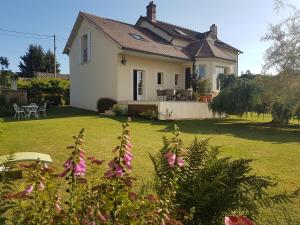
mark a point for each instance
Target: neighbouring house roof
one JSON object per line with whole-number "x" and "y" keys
{"x": 122, "y": 34}
{"x": 51, "y": 75}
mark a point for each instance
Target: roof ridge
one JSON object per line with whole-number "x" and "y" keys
{"x": 113, "y": 20}
{"x": 180, "y": 27}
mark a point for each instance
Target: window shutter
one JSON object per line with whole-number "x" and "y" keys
{"x": 89, "y": 46}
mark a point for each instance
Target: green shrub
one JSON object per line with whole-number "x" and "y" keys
{"x": 2, "y": 100}
{"x": 54, "y": 100}
{"x": 150, "y": 114}
{"x": 7, "y": 110}
{"x": 105, "y": 104}
{"x": 199, "y": 179}
{"x": 120, "y": 110}
{"x": 39, "y": 90}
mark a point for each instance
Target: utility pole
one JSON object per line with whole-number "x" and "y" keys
{"x": 54, "y": 39}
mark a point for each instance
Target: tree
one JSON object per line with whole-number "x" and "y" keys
{"x": 36, "y": 60}
{"x": 4, "y": 62}
{"x": 284, "y": 53}
{"x": 49, "y": 62}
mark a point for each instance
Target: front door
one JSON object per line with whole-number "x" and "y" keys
{"x": 138, "y": 85}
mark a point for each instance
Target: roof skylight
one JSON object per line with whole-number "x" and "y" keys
{"x": 180, "y": 32}
{"x": 137, "y": 37}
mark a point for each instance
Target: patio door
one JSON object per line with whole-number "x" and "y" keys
{"x": 138, "y": 85}
{"x": 187, "y": 78}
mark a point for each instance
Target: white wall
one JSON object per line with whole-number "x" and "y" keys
{"x": 211, "y": 65}
{"x": 150, "y": 67}
{"x": 184, "y": 110}
{"x": 96, "y": 78}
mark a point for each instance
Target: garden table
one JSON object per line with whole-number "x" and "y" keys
{"x": 30, "y": 109}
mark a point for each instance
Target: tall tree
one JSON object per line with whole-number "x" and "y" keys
{"x": 37, "y": 60}
{"x": 49, "y": 62}
{"x": 4, "y": 62}
{"x": 33, "y": 61}
{"x": 284, "y": 53}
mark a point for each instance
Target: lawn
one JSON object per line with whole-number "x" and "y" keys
{"x": 276, "y": 150}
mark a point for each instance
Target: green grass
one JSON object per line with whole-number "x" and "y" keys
{"x": 276, "y": 150}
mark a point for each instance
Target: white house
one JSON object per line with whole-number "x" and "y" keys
{"x": 128, "y": 62}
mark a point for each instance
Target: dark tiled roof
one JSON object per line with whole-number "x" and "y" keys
{"x": 171, "y": 29}
{"x": 207, "y": 49}
{"x": 121, "y": 34}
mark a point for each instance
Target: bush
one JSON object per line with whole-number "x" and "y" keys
{"x": 39, "y": 90}
{"x": 105, "y": 104}
{"x": 54, "y": 100}
{"x": 120, "y": 110}
{"x": 2, "y": 100}
{"x": 198, "y": 179}
{"x": 7, "y": 110}
{"x": 150, "y": 114}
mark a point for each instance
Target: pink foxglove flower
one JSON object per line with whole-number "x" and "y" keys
{"x": 57, "y": 208}
{"x": 237, "y": 220}
{"x": 101, "y": 217}
{"x": 127, "y": 159}
{"x": 171, "y": 158}
{"x": 119, "y": 171}
{"x": 42, "y": 186}
{"x": 180, "y": 162}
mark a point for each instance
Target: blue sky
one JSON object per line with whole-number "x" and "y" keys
{"x": 241, "y": 23}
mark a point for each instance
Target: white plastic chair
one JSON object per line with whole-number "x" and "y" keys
{"x": 43, "y": 109}
{"x": 19, "y": 112}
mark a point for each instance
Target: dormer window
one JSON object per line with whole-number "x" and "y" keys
{"x": 180, "y": 32}
{"x": 137, "y": 37}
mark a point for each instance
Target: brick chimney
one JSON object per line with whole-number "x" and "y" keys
{"x": 151, "y": 12}
{"x": 214, "y": 31}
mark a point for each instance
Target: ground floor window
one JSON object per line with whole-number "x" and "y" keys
{"x": 201, "y": 71}
{"x": 220, "y": 70}
{"x": 177, "y": 79}
{"x": 160, "y": 79}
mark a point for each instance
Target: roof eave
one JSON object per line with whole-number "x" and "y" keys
{"x": 156, "y": 54}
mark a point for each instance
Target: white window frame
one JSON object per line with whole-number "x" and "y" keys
{"x": 81, "y": 58}
{"x": 162, "y": 79}
{"x": 205, "y": 70}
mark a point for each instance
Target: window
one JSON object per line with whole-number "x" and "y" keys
{"x": 84, "y": 48}
{"x": 201, "y": 71}
{"x": 137, "y": 37}
{"x": 176, "y": 79}
{"x": 220, "y": 70}
{"x": 160, "y": 78}
{"x": 180, "y": 32}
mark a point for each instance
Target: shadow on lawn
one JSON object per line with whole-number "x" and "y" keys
{"x": 240, "y": 128}
{"x": 57, "y": 113}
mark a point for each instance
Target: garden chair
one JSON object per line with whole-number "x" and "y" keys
{"x": 186, "y": 95}
{"x": 43, "y": 109}
{"x": 32, "y": 110}
{"x": 160, "y": 94}
{"x": 19, "y": 112}
{"x": 170, "y": 94}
